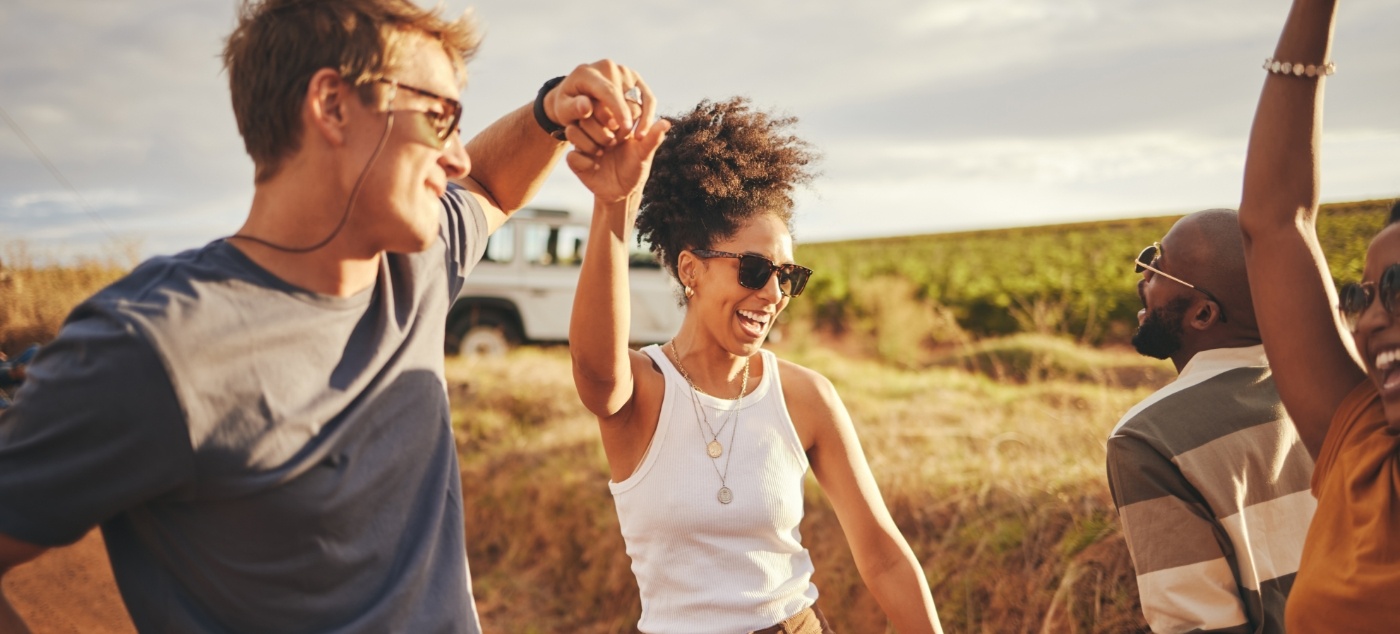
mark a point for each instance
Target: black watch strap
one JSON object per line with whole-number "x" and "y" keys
{"x": 551, "y": 128}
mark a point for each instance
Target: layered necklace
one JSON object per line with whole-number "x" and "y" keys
{"x": 713, "y": 448}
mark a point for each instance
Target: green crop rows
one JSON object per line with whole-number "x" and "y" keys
{"x": 1074, "y": 279}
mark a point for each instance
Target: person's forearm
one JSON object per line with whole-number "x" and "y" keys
{"x": 512, "y": 158}
{"x": 1281, "y": 167}
{"x": 601, "y": 318}
{"x": 900, "y": 588}
{"x": 10, "y": 622}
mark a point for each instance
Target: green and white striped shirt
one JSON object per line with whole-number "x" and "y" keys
{"x": 1212, "y": 487}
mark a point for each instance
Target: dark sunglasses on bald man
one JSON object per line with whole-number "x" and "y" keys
{"x": 1147, "y": 261}
{"x": 754, "y": 271}
{"x": 1356, "y": 298}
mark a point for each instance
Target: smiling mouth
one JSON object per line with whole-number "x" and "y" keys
{"x": 754, "y": 322}
{"x": 1387, "y": 365}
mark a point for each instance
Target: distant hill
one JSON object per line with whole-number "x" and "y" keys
{"x": 1070, "y": 279}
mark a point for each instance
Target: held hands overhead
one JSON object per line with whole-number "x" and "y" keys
{"x": 608, "y": 113}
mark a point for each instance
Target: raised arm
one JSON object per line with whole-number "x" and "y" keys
{"x": 512, "y": 157}
{"x": 882, "y": 555}
{"x": 1313, "y": 358}
{"x": 601, "y": 317}
{"x": 598, "y": 329}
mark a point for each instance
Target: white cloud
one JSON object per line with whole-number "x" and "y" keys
{"x": 994, "y": 14}
{"x": 1050, "y": 160}
{"x": 104, "y": 197}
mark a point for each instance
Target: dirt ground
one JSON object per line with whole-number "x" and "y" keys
{"x": 69, "y": 590}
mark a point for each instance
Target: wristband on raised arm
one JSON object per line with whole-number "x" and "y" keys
{"x": 550, "y": 127}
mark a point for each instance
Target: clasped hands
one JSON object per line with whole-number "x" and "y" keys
{"x": 608, "y": 113}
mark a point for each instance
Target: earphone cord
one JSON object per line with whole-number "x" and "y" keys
{"x": 344, "y": 217}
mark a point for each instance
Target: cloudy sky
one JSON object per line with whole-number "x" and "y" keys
{"x": 932, "y": 115}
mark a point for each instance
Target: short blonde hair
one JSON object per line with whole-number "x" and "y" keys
{"x": 279, "y": 44}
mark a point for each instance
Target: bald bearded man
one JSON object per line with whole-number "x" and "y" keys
{"x": 1210, "y": 479}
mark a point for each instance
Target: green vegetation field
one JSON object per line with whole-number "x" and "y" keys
{"x": 1075, "y": 280}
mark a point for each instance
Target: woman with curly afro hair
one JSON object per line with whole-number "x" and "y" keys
{"x": 709, "y": 436}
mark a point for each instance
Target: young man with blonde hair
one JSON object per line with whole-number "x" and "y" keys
{"x": 260, "y": 426}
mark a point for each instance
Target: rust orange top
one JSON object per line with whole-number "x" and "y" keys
{"x": 1349, "y": 577}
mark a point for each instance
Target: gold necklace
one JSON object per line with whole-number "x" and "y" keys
{"x": 713, "y": 447}
{"x": 724, "y": 495}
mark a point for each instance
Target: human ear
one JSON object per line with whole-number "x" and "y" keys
{"x": 324, "y": 108}
{"x": 1205, "y": 316}
{"x": 686, "y": 269}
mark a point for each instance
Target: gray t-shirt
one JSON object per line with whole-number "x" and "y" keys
{"x": 260, "y": 458}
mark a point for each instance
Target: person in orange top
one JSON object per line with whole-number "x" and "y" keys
{"x": 1337, "y": 371}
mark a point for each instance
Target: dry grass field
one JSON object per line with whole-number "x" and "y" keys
{"x": 36, "y": 294}
{"x": 997, "y": 483}
{"x": 989, "y": 454}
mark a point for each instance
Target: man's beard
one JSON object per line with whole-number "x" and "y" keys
{"x": 1159, "y": 336}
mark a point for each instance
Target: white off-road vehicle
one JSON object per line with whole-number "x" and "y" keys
{"x": 522, "y": 291}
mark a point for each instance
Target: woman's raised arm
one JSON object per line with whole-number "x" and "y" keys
{"x": 1312, "y": 355}
{"x": 601, "y": 318}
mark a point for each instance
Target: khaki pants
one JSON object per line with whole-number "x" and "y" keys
{"x": 808, "y": 621}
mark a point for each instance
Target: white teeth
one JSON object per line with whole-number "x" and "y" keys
{"x": 1385, "y": 359}
{"x": 761, "y": 318}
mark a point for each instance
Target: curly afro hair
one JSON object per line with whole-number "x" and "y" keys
{"x": 721, "y": 165}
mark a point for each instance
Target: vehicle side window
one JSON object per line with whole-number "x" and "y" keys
{"x": 536, "y": 246}
{"x": 570, "y": 245}
{"x": 501, "y": 247}
{"x": 639, "y": 256}
{"x": 554, "y": 246}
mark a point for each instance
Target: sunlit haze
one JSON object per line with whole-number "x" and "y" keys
{"x": 931, "y": 116}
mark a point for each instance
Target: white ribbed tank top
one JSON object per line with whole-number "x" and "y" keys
{"x": 702, "y": 566}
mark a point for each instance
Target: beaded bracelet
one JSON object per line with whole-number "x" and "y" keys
{"x": 1298, "y": 70}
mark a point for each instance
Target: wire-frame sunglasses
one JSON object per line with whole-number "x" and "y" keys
{"x": 754, "y": 271}
{"x": 1147, "y": 261}
{"x": 1356, "y": 298}
{"x": 444, "y": 123}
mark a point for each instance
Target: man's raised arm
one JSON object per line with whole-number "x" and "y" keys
{"x": 512, "y": 157}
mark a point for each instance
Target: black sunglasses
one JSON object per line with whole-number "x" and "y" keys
{"x": 1356, "y": 298}
{"x": 1147, "y": 261}
{"x": 754, "y": 271}
{"x": 444, "y": 123}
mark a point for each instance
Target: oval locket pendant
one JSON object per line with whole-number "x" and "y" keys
{"x": 725, "y": 495}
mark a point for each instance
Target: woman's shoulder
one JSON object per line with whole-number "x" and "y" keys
{"x": 801, "y": 382}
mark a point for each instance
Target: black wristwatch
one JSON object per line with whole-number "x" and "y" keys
{"x": 551, "y": 128}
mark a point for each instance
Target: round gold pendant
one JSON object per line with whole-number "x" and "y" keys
{"x": 725, "y": 495}
{"x": 714, "y": 449}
